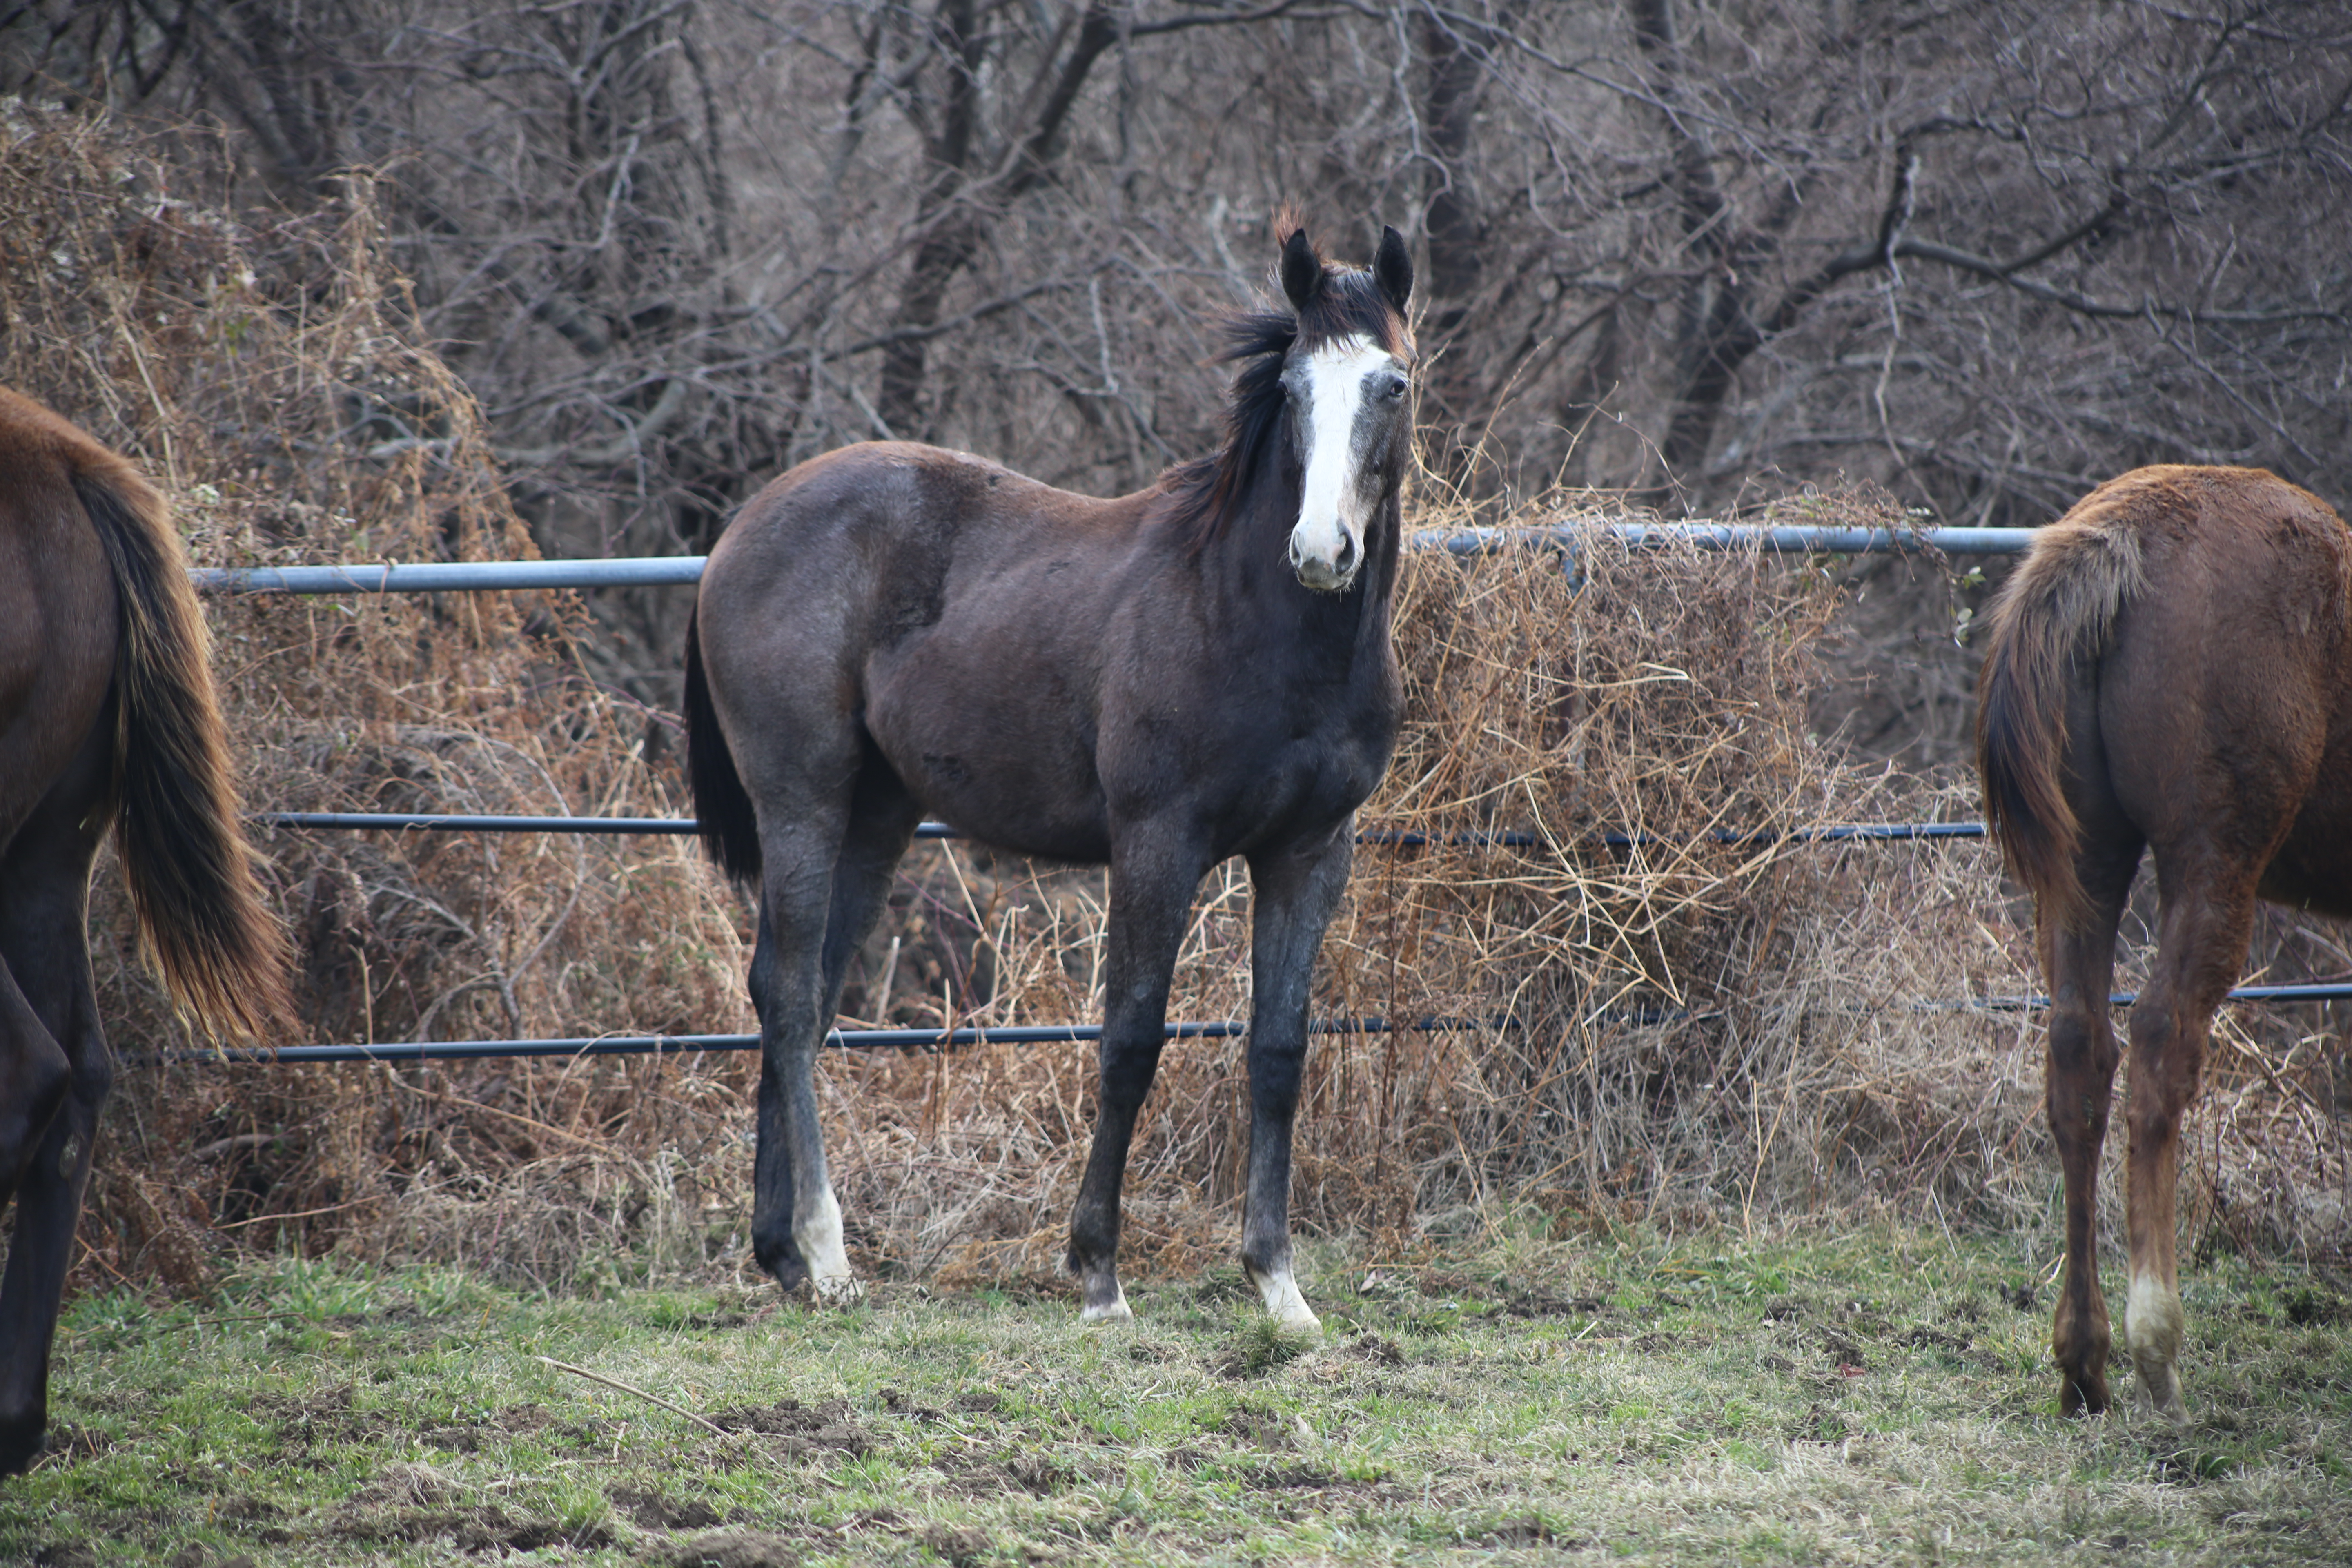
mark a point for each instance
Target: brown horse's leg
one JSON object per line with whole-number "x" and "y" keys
{"x": 49, "y": 1009}
{"x": 2207, "y": 915}
{"x": 795, "y": 1218}
{"x": 1152, "y": 879}
{"x": 2078, "y": 1083}
{"x": 805, "y": 1242}
{"x": 1295, "y": 890}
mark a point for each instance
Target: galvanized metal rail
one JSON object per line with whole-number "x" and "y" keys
{"x": 658, "y": 571}
{"x": 393, "y": 577}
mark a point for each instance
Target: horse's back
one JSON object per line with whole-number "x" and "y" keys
{"x": 58, "y": 603}
{"x": 935, "y": 604}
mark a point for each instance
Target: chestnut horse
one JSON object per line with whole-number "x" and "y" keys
{"x": 2168, "y": 670}
{"x": 107, "y": 718}
{"x": 1197, "y": 670}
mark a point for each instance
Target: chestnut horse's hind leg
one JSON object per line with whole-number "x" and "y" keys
{"x": 1295, "y": 890}
{"x": 54, "y": 1050}
{"x": 2207, "y": 914}
{"x": 2078, "y": 1083}
{"x": 1152, "y": 879}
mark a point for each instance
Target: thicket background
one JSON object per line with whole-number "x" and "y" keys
{"x": 397, "y": 278}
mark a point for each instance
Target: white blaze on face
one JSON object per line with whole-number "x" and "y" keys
{"x": 1335, "y": 382}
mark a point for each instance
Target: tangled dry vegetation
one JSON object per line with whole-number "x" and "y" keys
{"x": 1700, "y": 1019}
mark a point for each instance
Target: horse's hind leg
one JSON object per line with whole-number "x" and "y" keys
{"x": 813, "y": 916}
{"x": 2078, "y": 1085}
{"x": 1295, "y": 891}
{"x": 2206, "y": 915}
{"x": 49, "y": 1016}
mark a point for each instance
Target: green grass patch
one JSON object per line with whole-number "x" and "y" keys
{"x": 1871, "y": 1398}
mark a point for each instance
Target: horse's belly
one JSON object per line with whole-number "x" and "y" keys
{"x": 2313, "y": 870}
{"x": 999, "y": 777}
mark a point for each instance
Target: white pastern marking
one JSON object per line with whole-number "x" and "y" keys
{"x": 1328, "y": 545}
{"x": 1114, "y": 1312}
{"x": 1282, "y": 1302}
{"x": 818, "y": 1234}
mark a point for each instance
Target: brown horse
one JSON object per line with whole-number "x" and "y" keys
{"x": 107, "y": 717}
{"x": 1196, "y": 670}
{"x": 2168, "y": 670}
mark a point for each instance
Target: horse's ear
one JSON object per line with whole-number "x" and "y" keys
{"x": 1392, "y": 270}
{"x": 1302, "y": 269}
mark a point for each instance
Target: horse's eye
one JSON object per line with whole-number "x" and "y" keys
{"x": 1392, "y": 388}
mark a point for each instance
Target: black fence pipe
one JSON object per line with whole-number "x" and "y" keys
{"x": 931, "y": 1040}
{"x": 418, "y": 821}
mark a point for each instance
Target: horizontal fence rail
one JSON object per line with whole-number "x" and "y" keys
{"x": 444, "y": 576}
{"x": 837, "y": 1039}
{"x": 935, "y": 1040}
{"x": 426, "y": 821}
{"x": 663, "y": 571}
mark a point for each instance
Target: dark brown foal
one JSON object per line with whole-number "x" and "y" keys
{"x": 2170, "y": 669}
{"x": 107, "y": 719}
{"x": 1197, "y": 670}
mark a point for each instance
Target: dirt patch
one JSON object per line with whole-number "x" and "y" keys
{"x": 899, "y": 1401}
{"x": 804, "y": 1428}
{"x": 322, "y": 1416}
{"x": 1258, "y": 1428}
{"x": 1544, "y": 1304}
{"x": 734, "y": 1549}
{"x": 652, "y": 1510}
{"x": 979, "y": 1402}
{"x": 486, "y": 1528}
{"x": 1296, "y": 1477}
{"x": 962, "y": 1547}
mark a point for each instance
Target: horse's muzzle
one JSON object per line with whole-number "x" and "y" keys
{"x": 1332, "y": 577}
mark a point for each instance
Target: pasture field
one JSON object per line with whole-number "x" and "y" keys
{"x": 1872, "y": 1397}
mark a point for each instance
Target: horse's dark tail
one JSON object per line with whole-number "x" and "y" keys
{"x": 2048, "y": 631}
{"x": 189, "y": 871}
{"x": 729, "y": 827}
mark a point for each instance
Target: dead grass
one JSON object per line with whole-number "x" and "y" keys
{"x": 1677, "y": 1027}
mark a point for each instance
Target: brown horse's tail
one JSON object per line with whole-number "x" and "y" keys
{"x": 722, "y": 808}
{"x": 2048, "y": 631}
{"x": 186, "y": 864}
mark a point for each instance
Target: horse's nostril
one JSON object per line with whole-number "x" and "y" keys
{"x": 1345, "y": 562}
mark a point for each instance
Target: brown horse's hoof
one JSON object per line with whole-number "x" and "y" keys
{"x": 2083, "y": 1396}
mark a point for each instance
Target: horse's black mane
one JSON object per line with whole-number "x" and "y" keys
{"x": 1204, "y": 491}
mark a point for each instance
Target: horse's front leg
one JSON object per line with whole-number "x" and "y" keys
{"x": 1295, "y": 890}
{"x": 1152, "y": 878}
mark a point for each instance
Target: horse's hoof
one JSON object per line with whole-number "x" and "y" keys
{"x": 2160, "y": 1393}
{"x": 1115, "y": 1311}
{"x": 1300, "y": 1320}
{"x": 837, "y": 1291}
{"x": 22, "y": 1443}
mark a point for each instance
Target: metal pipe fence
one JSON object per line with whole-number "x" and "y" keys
{"x": 684, "y": 570}
{"x": 660, "y": 571}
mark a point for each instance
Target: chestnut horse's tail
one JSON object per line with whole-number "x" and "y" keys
{"x": 184, "y": 858}
{"x": 729, "y": 827}
{"x": 2048, "y": 631}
